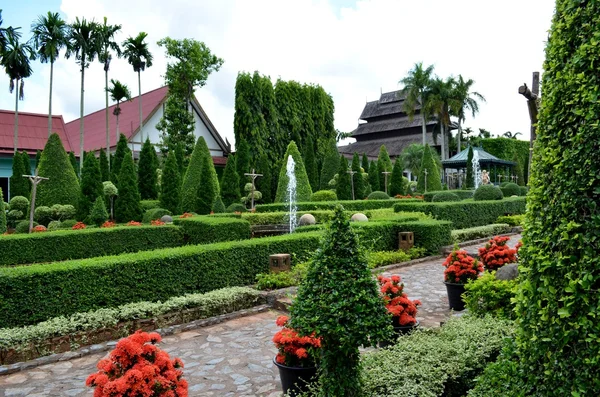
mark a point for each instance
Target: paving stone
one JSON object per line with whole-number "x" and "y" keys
{"x": 21, "y": 391}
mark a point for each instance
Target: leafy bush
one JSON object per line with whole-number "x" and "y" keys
{"x": 54, "y": 225}
{"x": 91, "y": 186}
{"x": 512, "y": 220}
{"x": 155, "y": 213}
{"x": 497, "y": 253}
{"x": 377, "y": 195}
{"x": 503, "y": 184}
{"x": 523, "y": 190}
{"x": 21, "y": 228}
{"x": 323, "y": 195}
{"x": 98, "y": 214}
{"x": 488, "y": 192}
{"x": 445, "y": 196}
{"x": 435, "y": 362}
{"x": 149, "y": 204}
{"x": 127, "y": 206}
{"x": 230, "y": 182}
{"x": 511, "y": 189}
{"x": 462, "y": 194}
{"x": 384, "y": 258}
{"x": 270, "y": 281}
{"x": 68, "y": 224}
{"x": 147, "y": 175}
{"x": 170, "y": 196}
{"x": 486, "y": 295}
{"x": 19, "y": 203}
{"x": 13, "y": 217}
{"x": 433, "y": 172}
{"x": 343, "y": 187}
{"x": 192, "y": 178}
{"x": 218, "y": 207}
{"x": 43, "y": 215}
{"x": 303, "y": 189}
{"x": 74, "y": 244}
{"x": 209, "y": 229}
{"x": 356, "y": 205}
{"x": 477, "y": 232}
{"x": 236, "y": 207}
{"x": 2, "y": 214}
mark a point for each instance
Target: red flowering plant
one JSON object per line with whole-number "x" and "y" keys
{"x": 402, "y": 309}
{"x": 186, "y": 215}
{"x": 156, "y": 222}
{"x": 39, "y": 229}
{"x": 79, "y": 226}
{"x": 497, "y": 253}
{"x": 133, "y": 223}
{"x": 108, "y": 225}
{"x": 294, "y": 350}
{"x": 460, "y": 267}
{"x": 137, "y": 367}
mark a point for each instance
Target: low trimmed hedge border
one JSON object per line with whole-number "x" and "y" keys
{"x": 25, "y": 342}
{"x": 209, "y": 229}
{"x": 477, "y": 232}
{"x": 462, "y": 194}
{"x": 464, "y": 214}
{"x": 349, "y": 205}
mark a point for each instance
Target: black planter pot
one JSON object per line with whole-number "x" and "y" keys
{"x": 399, "y": 330}
{"x": 294, "y": 380}
{"x": 455, "y": 292}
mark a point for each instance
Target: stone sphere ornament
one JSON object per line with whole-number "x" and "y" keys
{"x": 358, "y": 217}
{"x": 306, "y": 220}
{"x": 167, "y": 219}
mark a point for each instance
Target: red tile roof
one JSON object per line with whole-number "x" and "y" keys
{"x": 33, "y": 131}
{"x": 129, "y": 121}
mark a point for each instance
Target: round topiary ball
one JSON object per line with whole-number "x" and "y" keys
{"x": 445, "y": 196}
{"x": 236, "y": 207}
{"x": 54, "y": 225}
{"x": 323, "y": 195}
{"x": 167, "y": 219}
{"x": 510, "y": 189}
{"x": 488, "y": 192}
{"x": 503, "y": 184}
{"x": 523, "y": 190}
{"x": 307, "y": 219}
{"x": 19, "y": 203}
{"x": 378, "y": 195}
{"x": 23, "y": 227}
{"x": 358, "y": 217}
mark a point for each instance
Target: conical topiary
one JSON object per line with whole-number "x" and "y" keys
{"x": 359, "y": 186}
{"x": 303, "y": 190}
{"x": 62, "y": 186}
{"x": 74, "y": 163}
{"x": 91, "y": 186}
{"x": 127, "y": 205}
{"x": 147, "y": 177}
{"x": 343, "y": 308}
{"x": 397, "y": 185}
{"x": 38, "y": 156}
{"x": 374, "y": 177}
{"x": 264, "y": 183}
{"x": 98, "y": 215}
{"x": 343, "y": 189}
{"x": 115, "y": 169}
{"x": 365, "y": 163}
{"x": 331, "y": 163}
{"x": 104, "y": 167}
{"x": 470, "y": 182}
{"x": 218, "y": 207}
{"x": 192, "y": 178}
{"x": 384, "y": 164}
{"x": 180, "y": 156}
{"x": 19, "y": 186}
{"x": 310, "y": 163}
{"x": 518, "y": 170}
{"x": 242, "y": 163}
{"x": 170, "y": 197}
{"x": 2, "y": 214}
{"x": 434, "y": 182}
{"x": 230, "y": 183}
{"x": 208, "y": 189}
{"x": 27, "y": 165}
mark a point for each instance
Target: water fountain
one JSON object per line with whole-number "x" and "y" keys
{"x": 291, "y": 192}
{"x": 476, "y": 169}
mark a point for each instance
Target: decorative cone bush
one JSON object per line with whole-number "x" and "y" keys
{"x": 497, "y": 253}
{"x": 310, "y": 163}
{"x": 374, "y": 177}
{"x": 170, "y": 196}
{"x": 339, "y": 302}
{"x": 303, "y": 190}
{"x": 98, "y": 214}
{"x": 230, "y": 183}
{"x": 2, "y": 214}
{"x": 19, "y": 186}
{"x": 218, "y": 207}
{"x": 104, "y": 167}
{"x": 434, "y": 182}
{"x": 343, "y": 189}
{"x": 397, "y": 185}
{"x": 402, "y": 309}
{"x": 74, "y": 163}
{"x": 193, "y": 178}
{"x": 147, "y": 177}
{"x": 359, "y": 185}
{"x": 127, "y": 205}
{"x": 470, "y": 182}
{"x": 137, "y": 367}
{"x": 91, "y": 186}
{"x": 264, "y": 183}
{"x": 242, "y": 164}
{"x": 331, "y": 164}
{"x": 383, "y": 164}
{"x": 115, "y": 168}
{"x": 208, "y": 189}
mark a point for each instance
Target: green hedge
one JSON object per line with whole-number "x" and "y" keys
{"x": 463, "y": 194}
{"x": 30, "y": 294}
{"x": 210, "y": 229}
{"x": 87, "y": 243}
{"x": 473, "y": 233}
{"x": 464, "y": 214}
{"x": 149, "y": 204}
{"x": 349, "y": 205}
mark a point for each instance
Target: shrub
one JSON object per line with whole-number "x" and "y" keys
{"x": 270, "y": 281}
{"x": 54, "y": 225}
{"x": 497, "y": 253}
{"x": 230, "y": 183}
{"x": 154, "y": 214}
{"x": 39, "y": 229}
{"x": 236, "y": 207}
{"x": 147, "y": 176}
{"x": 310, "y": 163}
{"x": 242, "y": 164}
{"x": 43, "y": 215}
{"x": 445, "y": 196}
{"x": 104, "y": 166}
{"x": 374, "y": 177}
{"x": 488, "y": 192}
{"x": 323, "y": 195}
{"x": 503, "y": 184}
{"x": 343, "y": 188}
{"x": 356, "y": 205}
{"x": 19, "y": 186}
{"x": 377, "y": 195}
{"x": 384, "y": 258}
{"x": 488, "y": 296}
{"x": 218, "y": 207}
{"x": 91, "y": 186}
{"x": 127, "y": 206}
{"x": 19, "y": 203}
{"x": 137, "y": 365}
{"x": 523, "y": 190}
{"x": 402, "y": 309}
{"x": 477, "y": 232}
{"x": 358, "y": 180}
{"x": 383, "y": 164}
{"x": 192, "y": 179}
{"x": 2, "y": 214}
{"x": 462, "y": 194}
{"x": 68, "y": 224}
{"x": 397, "y": 184}
{"x": 294, "y": 350}
{"x": 512, "y": 220}
{"x": 133, "y": 223}
{"x": 303, "y": 189}
{"x": 108, "y": 225}
{"x": 98, "y": 214}
{"x": 63, "y": 212}
{"x": 149, "y": 204}
{"x": 265, "y": 182}
{"x": 433, "y": 173}
{"x": 120, "y": 153}
{"x": 79, "y": 226}
{"x": 469, "y": 182}
{"x": 62, "y": 187}
{"x": 208, "y": 229}
{"x": 170, "y": 196}
{"x": 13, "y": 217}
{"x": 511, "y": 189}
{"x": 331, "y": 164}
{"x": 21, "y": 228}
{"x": 208, "y": 189}
{"x": 460, "y": 267}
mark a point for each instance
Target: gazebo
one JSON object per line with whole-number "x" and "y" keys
{"x": 454, "y": 169}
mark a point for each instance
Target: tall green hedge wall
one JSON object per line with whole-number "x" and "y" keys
{"x": 209, "y": 229}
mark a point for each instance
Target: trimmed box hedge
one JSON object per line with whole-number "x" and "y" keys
{"x": 477, "y": 232}
{"x": 462, "y": 194}
{"x": 30, "y": 294}
{"x": 63, "y": 245}
{"x": 464, "y": 214}
{"x": 209, "y": 229}
{"x": 349, "y": 205}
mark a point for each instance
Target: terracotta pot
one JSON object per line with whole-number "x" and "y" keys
{"x": 294, "y": 380}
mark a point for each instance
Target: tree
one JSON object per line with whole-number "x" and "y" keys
{"x": 365, "y": 163}
{"x": 50, "y": 35}
{"x": 434, "y": 182}
{"x": 359, "y": 187}
{"x": 242, "y": 164}
{"x": 147, "y": 165}
{"x": 303, "y": 190}
{"x": 331, "y": 163}
{"x": 344, "y": 309}
{"x": 442, "y": 101}
{"x": 73, "y": 161}
{"x": 311, "y": 164}
{"x": 91, "y": 185}
{"x": 4, "y": 32}
{"x": 374, "y": 176}
{"x": 180, "y": 156}
{"x": 470, "y": 182}
{"x": 467, "y": 100}
{"x": 62, "y": 186}
{"x": 104, "y": 166}
{"x": 264, "y": 183}
{"x": 127, "y": 206}
{"x": 26, "y": 164}
{"x": 38, "y": 156}
{"x": 16, "y": 60}
{"x": 19, "y": 186}
{"x": 98, "y": 215}
{"x": 397, "y": 185}
{"x": 135, "y": 49}
{"x": 518, "y": 170}
{"x": 120, "y": 154}
{"x": 384, "y": 164}
{"x": 416, "y": 89}
{"x": 193, "y": 179}
{"x": 118, "y": 92}
{"x": 170, "y": 195}
{"x": 230, "y": 183}
{"x": 2, "y": 214}
{"x": 343, "y": 188}
{"x": 110, "y": 192}
{"x": 208, "y": 189}
{"x": 412, "y": 156}
{"x": 218, "y": 207}
{"x": 85, "y": 44}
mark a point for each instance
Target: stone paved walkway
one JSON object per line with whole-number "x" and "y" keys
{"x": 229, "y": 359}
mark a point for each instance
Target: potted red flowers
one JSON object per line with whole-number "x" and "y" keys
{"x": 402, "y": 309}
{"x": 138, "y": 368}
{"x": 295, "y": 358}
{"x": 497, "y": 253}
{"x": 460, "y": 268}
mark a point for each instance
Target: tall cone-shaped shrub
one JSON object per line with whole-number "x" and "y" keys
{"x": 62, "y": 186}
{"x": 74, "y": 163}
{"x": 104, "y": 167}
{"x": 397, "y": 185}
{"x": 303, "y": 190}
{"x": 365, "y": 163}
{"x": 91, "y": 186}
{"x": 242, "y": 163}
{"x": 359, "y": 185}
{"x": 310, "y": 163}
{"x": 230, "y": 183}
{"x": 344, "y": 308}
{"x": 19, "y": 186}
{"x": 470, "y": 182}
{"x": 147, "y": 177}
{"x": 127, "y": 206}
{"x": 374, "y": 176}
{"x": 170, "y": 195}
{"x": 192, "y": 178}
{"x": 27, "y": 166}
{"x": 331, "y": 163}
{"x": 208, "y": 190}
{"x": 264, "y": 182}
{"x": 343, "y": 189}
{"x": 115, "y": 169}
{"x": 2, "y": 214}
{"x": 434, "y": 182}
{"x": 384, "y": 164}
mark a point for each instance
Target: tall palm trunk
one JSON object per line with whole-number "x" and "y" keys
{"x": 140, "y": 107}
{"x": 50, "y": 100}
{"x": 458, "y": 137}
{"x": 16, "y": 132}
{"x": 443, "y": 133}
{"x": 423, "y": 125}
{"x": 107, "y": 129}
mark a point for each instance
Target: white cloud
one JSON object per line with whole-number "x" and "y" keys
{"x": 353, "y": 52}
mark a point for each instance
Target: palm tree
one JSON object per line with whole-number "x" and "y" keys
{"x": 118, "y": 92}
{"x": 84, "y": 42}
{"x": 411, "y": 157}
{"x": 416, "y": 87}
{"x": 16, "y": 60}
{"x": 442, "y": 102}
{"x": 50, "y": 34}
{"x": 137, "y": 54}
{"x": 108, "y": 44}
{"x": 3, "y": 34}
{"x": 468, "y": 101}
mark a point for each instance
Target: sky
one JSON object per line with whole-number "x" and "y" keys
{"x": 354, "y": 49}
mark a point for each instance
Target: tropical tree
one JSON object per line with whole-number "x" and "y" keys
{"x": 416, "y": 88}
{"x": 50, "y": 35}
{"x": 442, "y": 101}
{"x": 3, "y": 34}
{"x": 85, "y": 44}
{"x": 16, "y": 60}
{"x": 135, "y": 49}
{"x": 119, "y": 92}
{"x": 467, "y": 100}
{"x": 107, "y": 44}
{"x": 411, "y": 156}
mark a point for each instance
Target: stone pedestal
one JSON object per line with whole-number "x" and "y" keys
{"x": 280, "y": 263}
{"x": 406, "y": 240}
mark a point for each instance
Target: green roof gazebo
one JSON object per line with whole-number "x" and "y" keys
{"x": 455, "y": 168}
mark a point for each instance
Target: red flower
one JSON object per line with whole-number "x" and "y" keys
{"x": 186, "y": 215}
{"x": 78, "y": 226}
{"x": 460, "y": 267}
{"x": 294, "y": 350}
{"x": 39, "y": 229}
{"x": 157, "y": 222}
{"x": 108, "y": 225}
{"x": 396, "y": 301}
{"x": 496, "y": 253}
{"x": 133, "y": 223}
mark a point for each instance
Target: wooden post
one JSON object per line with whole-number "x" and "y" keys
{"x": 352, "y": 181}
{"x": 385, "y": 173}
{"x": 252, "y": 175}
{"x": 533, "y": 104}
{"x": 34, "y": 179}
